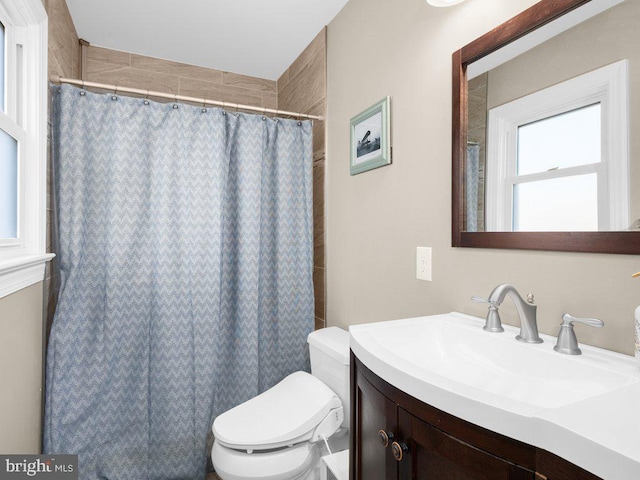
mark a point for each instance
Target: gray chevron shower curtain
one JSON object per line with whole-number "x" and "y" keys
{"x": 185, "y": 253}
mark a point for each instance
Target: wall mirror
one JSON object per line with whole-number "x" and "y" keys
{"x": 546, "y": 149}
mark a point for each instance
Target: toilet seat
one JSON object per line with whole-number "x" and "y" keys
{"x": 284, "y": 415}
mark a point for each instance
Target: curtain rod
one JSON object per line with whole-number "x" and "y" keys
{"x": 183, "y": 98}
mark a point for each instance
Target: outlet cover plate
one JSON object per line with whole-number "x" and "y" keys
{"x": 423, "y": 263}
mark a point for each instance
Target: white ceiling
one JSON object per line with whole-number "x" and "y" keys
{"x": 260, "y": 38}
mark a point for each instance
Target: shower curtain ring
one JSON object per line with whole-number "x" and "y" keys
{"x": 204, "y": 105}
{"x": 115, "y": 93}
{"x": 146, "y": 98}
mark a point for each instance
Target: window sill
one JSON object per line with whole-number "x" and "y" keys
{"x": 21, "y": 272}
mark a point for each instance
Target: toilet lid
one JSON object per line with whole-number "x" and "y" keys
{"x": 285, "y": 414}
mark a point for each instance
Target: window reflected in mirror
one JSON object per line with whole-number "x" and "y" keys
{"x": 548, "y": 146}
{"x": 550, "y": 191}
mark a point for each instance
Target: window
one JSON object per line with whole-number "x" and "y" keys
{"x": 23, "y": 123}
{"x": 2, "y": 67}
{"x": 8, "y": 186}
{"x": 8, "y": 160}
{"x": 11, "y": 137}
{"x": 558, "y": 158}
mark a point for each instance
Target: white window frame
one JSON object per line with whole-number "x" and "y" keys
{"x": 607, "y": 86}
{"x": 22, "y": 260}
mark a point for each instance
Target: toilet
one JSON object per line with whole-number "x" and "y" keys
{"x": 279, "y": 434}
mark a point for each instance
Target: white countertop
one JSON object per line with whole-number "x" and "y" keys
{"x": 593, "y": 423}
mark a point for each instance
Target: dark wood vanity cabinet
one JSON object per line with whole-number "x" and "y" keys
{"x": 438, "y": 455}
{"x": 394, "y": 436}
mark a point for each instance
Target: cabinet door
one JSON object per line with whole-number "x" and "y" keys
{"x": 435, "y": 455}
{"x": 373, "y": 413}
{"x": 552, "y": 467}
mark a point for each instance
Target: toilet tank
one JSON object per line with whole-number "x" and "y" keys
{"x": 329, "y": 352}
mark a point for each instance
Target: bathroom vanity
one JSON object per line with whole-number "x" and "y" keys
{"x": 439, "y": 398}
{"x": 424, "y": 442}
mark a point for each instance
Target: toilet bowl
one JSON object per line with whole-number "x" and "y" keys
{"x": 294, "y": 463}
{"x": 278, "y": 434}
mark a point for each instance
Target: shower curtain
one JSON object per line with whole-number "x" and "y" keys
{"x": 185, "y": 251}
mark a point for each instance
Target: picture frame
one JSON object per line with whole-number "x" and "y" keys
{"x": 370, "y": 138}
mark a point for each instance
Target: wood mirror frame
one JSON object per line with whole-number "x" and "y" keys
{"x": 541, "y": 13}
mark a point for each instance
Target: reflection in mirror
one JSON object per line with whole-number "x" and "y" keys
{"x": 547, "y": 136}
{"x": 560, "y": 196}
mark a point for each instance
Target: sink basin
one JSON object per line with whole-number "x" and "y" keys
{"x": 583, "y": 408}
{"x": 452, "y": 351}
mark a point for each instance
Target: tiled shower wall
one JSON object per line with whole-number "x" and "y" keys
{"x": 64, "y": 61}
{"x": 301, "y": 88}
{"x": 130, "y": 70}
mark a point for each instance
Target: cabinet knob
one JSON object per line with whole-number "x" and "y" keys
{"x": 398, "y": 450}
{"x": 385, "y": 438}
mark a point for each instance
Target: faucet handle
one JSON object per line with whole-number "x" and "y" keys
{"x": 567, "y": 341}
{"x": 493, "y": 322}
{"x": 568, "y": 319}
{"x": 485, "y": 300}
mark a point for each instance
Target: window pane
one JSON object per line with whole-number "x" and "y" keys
{"x": 556, "y": 205}
{"x": 8, "y": 186}
{"x": 2, "y": 65}
{"x": 561, "y": 141}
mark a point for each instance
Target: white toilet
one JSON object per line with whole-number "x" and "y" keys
{"x": 278, "y": 434}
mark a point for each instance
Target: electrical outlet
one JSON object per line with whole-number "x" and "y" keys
{"x": 423, "y": 263}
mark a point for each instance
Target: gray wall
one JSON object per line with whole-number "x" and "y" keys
{"x": 21, "y": 330}
{"x": 376, "y": 220}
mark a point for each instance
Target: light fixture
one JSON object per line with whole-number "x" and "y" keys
{"x": 443, "y": 3}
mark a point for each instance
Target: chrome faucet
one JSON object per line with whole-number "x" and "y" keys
{"x": 526, "y": 311}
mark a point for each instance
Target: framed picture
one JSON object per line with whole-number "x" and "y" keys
{"x": 370, "y": 138}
